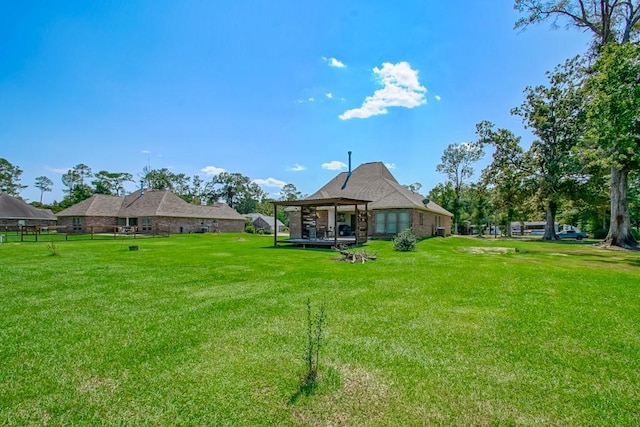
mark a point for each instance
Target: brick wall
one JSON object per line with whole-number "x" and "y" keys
{"x": 428, "y": 228}
{"x": 295, "y": 224}
{"x": 170, "y": 224}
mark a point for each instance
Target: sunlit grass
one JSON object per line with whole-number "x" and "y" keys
{"x": 210, "y": 330}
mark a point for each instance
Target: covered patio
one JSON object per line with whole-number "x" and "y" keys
{"x": 305, "y": 229}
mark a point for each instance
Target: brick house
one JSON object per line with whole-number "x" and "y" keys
{"x": 148, "y": 211}
{"x": 392, "y": 207}
{"x": 15, "y": 214}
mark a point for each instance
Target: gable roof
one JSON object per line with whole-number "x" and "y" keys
{"x": 148, "y": 203}
{"x": 13, "y": 208}
{"x": 373, "y": 181}
{"x": 267, "y": 219}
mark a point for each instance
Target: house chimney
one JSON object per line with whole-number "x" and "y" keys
{"x": 348, "y": 173}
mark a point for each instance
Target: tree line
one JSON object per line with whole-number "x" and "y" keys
{"x": 80, "y": 182}
{"x": 583, "y": 165}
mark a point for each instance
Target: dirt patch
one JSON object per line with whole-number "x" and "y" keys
{"x": 362, "y": 398}
{"x": 488, "y": 250}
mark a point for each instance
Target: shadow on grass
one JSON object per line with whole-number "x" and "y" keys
{"x": 307, "y": 386}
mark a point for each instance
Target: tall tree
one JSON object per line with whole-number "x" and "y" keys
{"x": 609, "y": 22}
{"x": 10, "y": 178}
{"x": 181, "y": 186}
{"x": 236, "y": 190}
{"x": 111, "y": 183}
{"x": 74, "y": 180}
{"x": 414, "y": 188}
{"x": 290, "y": 192}
{"x": 44, "y": 184}
{"x": 158, "y": 179}
{"x": 480, "y": 206}
{"x": 505, "y": 174}
{"x": 196, "y": 191}
{"x": 634, "y": 199}
{"x": 456, "y": 163}
{"x": 556, "y": 116}
{"x": 83, "y": 171}
{"x": 614, "y": 118}
{"x": 444, "y": 195}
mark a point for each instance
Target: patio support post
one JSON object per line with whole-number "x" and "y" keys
{"x": 335, "y": 225}
{"x": 275, "y": 225}
{"x": 357, "y": 221}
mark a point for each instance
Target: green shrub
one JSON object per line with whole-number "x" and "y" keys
{"x": 249, "y": 229}
{"x": 405, "y": 241}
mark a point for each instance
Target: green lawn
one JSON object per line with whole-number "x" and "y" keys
{"x": 210, "y": 330}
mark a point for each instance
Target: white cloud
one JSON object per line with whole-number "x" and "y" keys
{"x": 334, "y": 165}
{"x": 400, "y": 88}
{"x": 212, "y": 170}
{"x": 333, "y": 62}
{"x": 270, "y": 182}
{"x": 146, "y": 152}
{"x": 58, "y": 170}
{"x": 311, "y": 99}
{"x": 438, "y": 97}
{"x": 390, "y": 165}
{"x": 329, "y": 95}
{"x": 296, "y": 168}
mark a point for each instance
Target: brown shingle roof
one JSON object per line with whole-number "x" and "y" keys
{"x": 373, "y": 181}
{"x": 12, "y": 208}
{"x": 148, "y": 203}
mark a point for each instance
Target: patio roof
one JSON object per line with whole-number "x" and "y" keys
{"x": 332, "y": 201}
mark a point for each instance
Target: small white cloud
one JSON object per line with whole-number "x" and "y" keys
{"x": 270, "y": 182}
{"x": 334, "y": 165}
{"x": 296, "y": 168}
{"x": 311, "y": 99}
{"x": 212, "y": 170}
{"x": 58, "y": 170}
{"x": 333, "y": 62}
{"x": 390, "y": 165}
{"x": 146, "y": 152}
{"x": 329, "y": 95}
{"x": 401, "y": 88}
{"x": 438, "y": 97}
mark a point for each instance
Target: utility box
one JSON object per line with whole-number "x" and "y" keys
{"x": 440, "y": 232}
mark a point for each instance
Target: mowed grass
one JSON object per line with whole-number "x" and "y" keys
{"x": 210, "y": 330}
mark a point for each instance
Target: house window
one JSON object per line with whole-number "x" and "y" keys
{"x": 380, "y": 222}
{"x": 421, "y": 218}
{"x": 147, "y": 223}
{"x": 391, "y": 222}
{"x": 403, "y": 220}
{"x": 76, "y": 223}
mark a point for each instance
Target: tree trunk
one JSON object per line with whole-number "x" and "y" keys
{"x": 620, "y": 225}
{"x": 550, "y": 226}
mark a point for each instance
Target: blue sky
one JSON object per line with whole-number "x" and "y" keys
{"x": 276, "y": 90}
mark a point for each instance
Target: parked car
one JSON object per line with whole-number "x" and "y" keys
{"x": 345, "y": 230}
{"x": 572, "y": 234}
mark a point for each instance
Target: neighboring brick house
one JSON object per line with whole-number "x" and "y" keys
{"x": 392, "y": 207}
{"x": 148, "y": 211}
{"x": 265, "y": 222}
{"x": 15, "y": 214}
